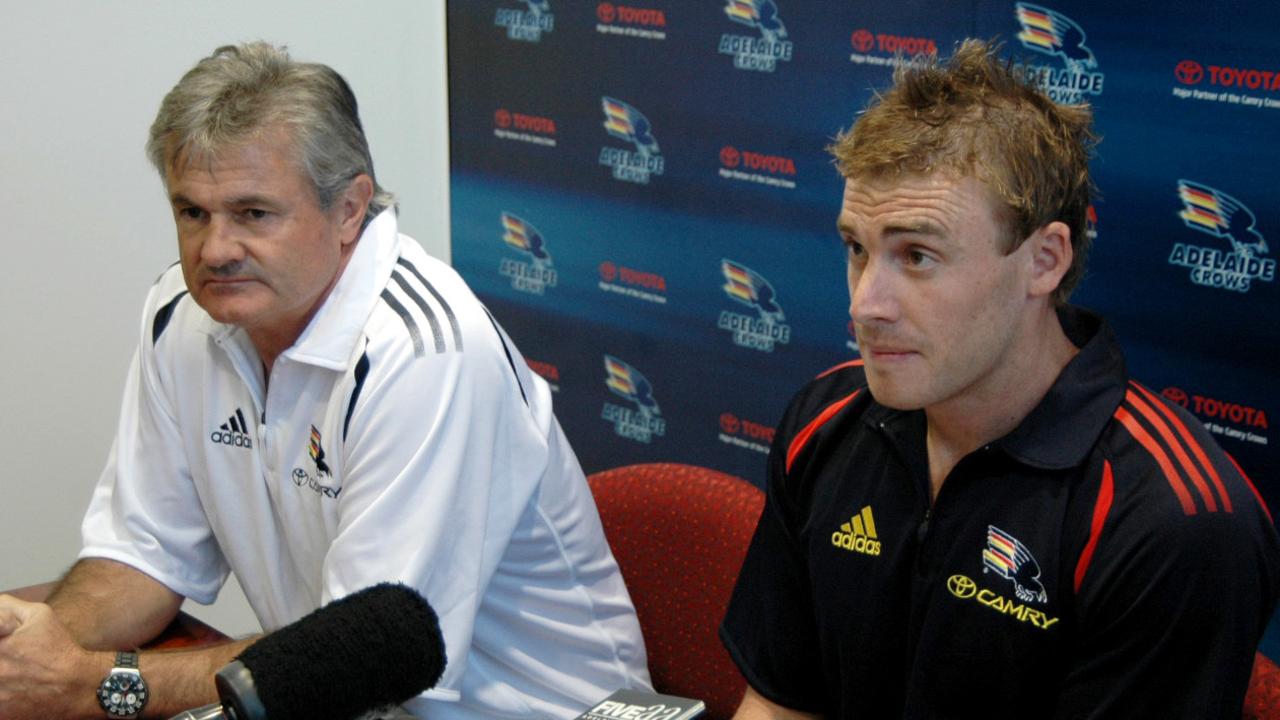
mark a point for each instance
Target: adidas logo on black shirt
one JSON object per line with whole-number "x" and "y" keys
{"x": 859, "y": 534}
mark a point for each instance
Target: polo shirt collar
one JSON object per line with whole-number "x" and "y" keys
{"x": 331, "y": 335}
{"x": 1063, "y": 427}
{"x": 1061, "y": 430}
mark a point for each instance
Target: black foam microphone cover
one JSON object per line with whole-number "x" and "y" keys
{"x": 378, "y": 646}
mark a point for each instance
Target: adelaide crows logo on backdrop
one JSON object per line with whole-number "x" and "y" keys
{"x": 1213, "y": 212}
{"x": 642, "y": 422}
{"x": 1051, "y": 33}
{"x": 536, "y": 275}
{"x": 747, "y": 287}
{"x": 630, "y": 125}
{"x": 756, "y": 53}
{"x": 1007, "y": 557}
{"x": 760, "y": 14}
{"x": 527, "y": 24}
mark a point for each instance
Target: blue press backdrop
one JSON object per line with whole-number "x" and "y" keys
{"x": 641, "y": 195}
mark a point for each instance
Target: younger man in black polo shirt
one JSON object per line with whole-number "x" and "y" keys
{"x": 984, "y": 516}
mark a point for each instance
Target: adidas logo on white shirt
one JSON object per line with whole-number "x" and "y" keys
{"x": 234, "y": 432}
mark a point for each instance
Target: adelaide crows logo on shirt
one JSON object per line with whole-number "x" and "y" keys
{"x": 303, "y": 478}
{"x": 1010, "y": 559}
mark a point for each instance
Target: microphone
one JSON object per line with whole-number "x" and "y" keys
{"x": 378, "y": 646}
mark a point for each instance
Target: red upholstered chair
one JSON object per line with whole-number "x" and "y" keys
{"x": 679, "y": 533}
{"x": 1262, "y": 702}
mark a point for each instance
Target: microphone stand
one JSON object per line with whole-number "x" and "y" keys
{"x": 214, "y": 712}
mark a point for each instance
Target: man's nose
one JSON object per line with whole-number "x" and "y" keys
{"x": 220, "y": 245}
{"x": 872, "y": 294}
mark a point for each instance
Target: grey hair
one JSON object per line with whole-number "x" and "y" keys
{"x": 240, "y": 90}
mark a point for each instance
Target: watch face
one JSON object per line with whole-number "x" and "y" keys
{"x": 123, "y": 694}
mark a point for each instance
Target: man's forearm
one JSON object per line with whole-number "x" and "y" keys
{"x": 183, "y": 679}
{"x": 755, "y": 707}
{"x": 107, "y": 605}
{"x": 176, "y": 680}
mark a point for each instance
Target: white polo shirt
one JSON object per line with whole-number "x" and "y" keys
{"x": 403, "y": 439}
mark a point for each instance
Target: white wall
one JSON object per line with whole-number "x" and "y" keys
{"x": 84, "y": 226}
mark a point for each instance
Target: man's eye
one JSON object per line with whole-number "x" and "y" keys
{"x": 191, "y": 213}
{"x": 256, "y": 213}
{"x": 919, "y": 259}
{"x": 855, "y": 248}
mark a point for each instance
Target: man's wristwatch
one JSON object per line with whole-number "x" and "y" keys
{"x": 123, "y": 693}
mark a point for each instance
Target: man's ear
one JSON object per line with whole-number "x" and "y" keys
{"x": 1051, "y": 256}
{"x": 352, "y": 205}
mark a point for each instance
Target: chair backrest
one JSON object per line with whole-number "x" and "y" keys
{"x": 1262, "y": 702}
{"x": 679, "y": 533}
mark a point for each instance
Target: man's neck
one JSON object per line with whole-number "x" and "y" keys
{"x": 992, "y": 410}
{"x": 271, "y": 342}
{"x": 270, "y": 347}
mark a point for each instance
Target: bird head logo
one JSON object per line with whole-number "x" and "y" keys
{"x": 1216, "y": 213}
{"x": 749, "y": 288}
{"x": 523, "y": 236}
{"x": 629, "y": 124}
{"x": 760, "y": 14}
{"x": 627, "y": 383}
{"x": 1052, "y": 33}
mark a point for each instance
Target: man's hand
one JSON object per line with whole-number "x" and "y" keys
{"x": 43, "y": 672}
{"x": 755, "y": 707}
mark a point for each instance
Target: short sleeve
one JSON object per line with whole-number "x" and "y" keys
{"x": 769, "y": 628}
{"x": 1171, "y": 611}
{"x": 145, "y": 511}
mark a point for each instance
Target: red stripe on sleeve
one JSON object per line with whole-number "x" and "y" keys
{"x": 1142, "y": 436}
{"x": 841, "y": 366}
{"x": 1166, "y": 434}
{"x": 798, "y": 442}
{"x": 1191, "y": 442}
{"x": 1249, "y": 482}
{"x": 1106, "y": 493}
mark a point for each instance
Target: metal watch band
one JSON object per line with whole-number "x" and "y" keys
{"x": 127, "y": 659}
{"x": 123, "y": 692}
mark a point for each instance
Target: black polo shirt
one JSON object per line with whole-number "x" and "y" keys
{"x": 1104, "y": 559}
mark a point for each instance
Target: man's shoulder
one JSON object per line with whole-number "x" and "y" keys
{"x": 826, "y": 406}
{"x": 1163, "y": 460}
{"x": 428, "y": 324}
{"x": 425, "y": 308}
{"x": 167, "y": 301}
{"x": 826, "y": 394}
{"x": 1173, "y": 520}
